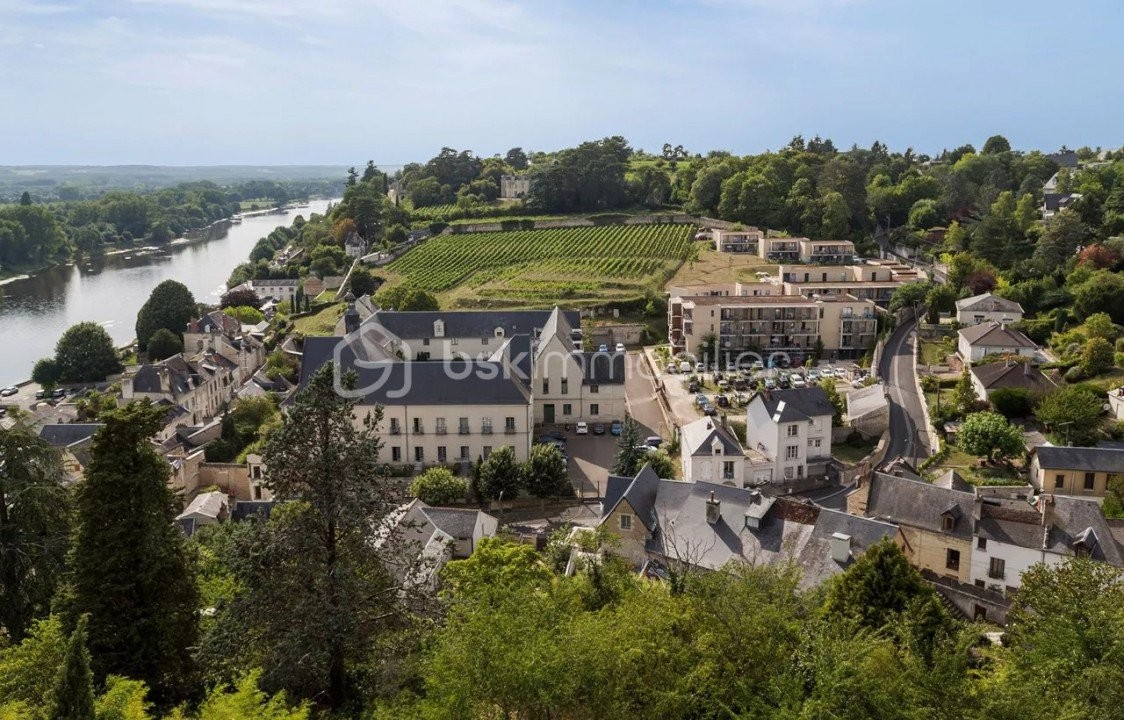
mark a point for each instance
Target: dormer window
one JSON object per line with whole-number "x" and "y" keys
{"x": 438, "y": 328}
{"x": 499, "y": 332}
{"x": 947, "y": 521}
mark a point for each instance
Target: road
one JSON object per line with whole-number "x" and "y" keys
{"x": 908, "y": 435}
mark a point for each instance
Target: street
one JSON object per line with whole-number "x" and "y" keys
{"x": 908, "y": 436}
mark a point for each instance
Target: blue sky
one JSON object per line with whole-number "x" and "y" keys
{"x": 201, "y": 82}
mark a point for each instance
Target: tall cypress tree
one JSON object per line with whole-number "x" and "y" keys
{"x": 130, "y": 571}
{"x": 73, "y": 696}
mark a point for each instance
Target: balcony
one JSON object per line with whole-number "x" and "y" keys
{"x": 486, "y": 430}
{"x": 463, "y": 430}
{"x": 395, "y": 430}
{"x": 509, "y": 431}
{"x": 440, "y": 430}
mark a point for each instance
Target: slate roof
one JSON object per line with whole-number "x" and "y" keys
{"x": 1057, "y": 201}
{"x": 1074, "y": 520}
{"x": 919, "y": 504}
{"x": 989, "y": 303}
{"x": 466, "y": 323}
{"x": 993, "y": 334}
{"x": 1086, "y": 459}
{"x": 255, "y": 509}
{"x": 602, "y": 368}
{"x": 698, "y": 437}
{"x": 61, "y": 435}
{"x": 458, "y": 523}
{"x": 208, "y": 504}
{"x": 795, "y": 404}
{"x": 864, "y": 401}
{"x": 1020, "y": 375}
{"x": 640, "y": 492}
{"x": 423, "y": 383}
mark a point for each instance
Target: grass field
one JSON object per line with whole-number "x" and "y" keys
{"x": 320, "y": 323}
{"x": 712, "y": 266}
{"x": 540, "y": 267}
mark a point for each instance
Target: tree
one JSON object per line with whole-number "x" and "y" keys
{"x": 1063, "y": 235}
{"x": 1099, "y": 257}
{"x": 34, "y": 528}
{"x": 246, "y": 701}
{"x": 170, "y": 306}
{"x": 500, "y": 474}
{"x": 941, "y": 298}
{"x": 995, "y": 144}
{"x": 964, "y": 394}
{"x": 164, "y": 344}
{"x": 438, "y": 486}
{"x": 1072, "y": 414}
{"x": 1100, "y": 325}
{"x": 85, "y": 353}
{"x": 544, "y": 473}
{"x": 129, "y": 570}
{"x": 236, "y": 298}
{"x": 909, "y": 295}
{"x": 1012, "y": 402}
{"x": 991, "y": 435}
{"x": 28, "y": 670}
{"x": 316, "y": 588}
{"x": 328, "y": 260}
{"x": 1096, "y": 356}
{"x": 661, "y": 463}
{"x": 1103, "y": 291}
{"x": 25, "y": 198}
{"x": 838, "y": 404}
{"x": 406, "y": 297}
{"x": 878, "y": 587}
{"x": 981, "y": 281}
{"x": 631, "y": 453}
{"x": 73, "y": 694}
{"x": 46, "y": 372}
{"x": 362, "y": 282}
{"x": 924, "y": 214}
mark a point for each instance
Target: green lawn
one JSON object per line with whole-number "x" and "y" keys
{"x": 933, "y": 352}
{"x": 968, "y": 467}
{"x": 320, "y": 323}
{"x": 849, "y": 453}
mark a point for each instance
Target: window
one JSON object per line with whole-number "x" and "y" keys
{"x": 567, "y": 409}
{"x": 440, "y": 426}
{"x": 453, "y": 341}
{"x": 417, "y": 425}
{"x": 788, "y": 473}
{"x": 792, "y": 452}
{"x": 565, "y": 386}
{"x": 814, "y": 442}
{"x": 594, "y": 409}
{"x": 546, "y": 386}
{"x": 626, "y": 522}
{"x": 396, "y": 454}
{"x": 463, "y": 426}
{"x": 394, "y": 427}
{"x": 1090, "y": 480}
{"x": 952, "y": 559}
{"x": 947, "y": 521}
{"x": 464, "y": 452}
{"x": 483, "y": 341}
{"x": 1059, "y": 480}
{"x": 509, "y": 425}
{"x": 442, "y": 455}
{"x": 728, "y": 470}
{"x": 981, "y": 544}
{"x": 793, "y": 430}
{"x": 594, "y": 388}
{"x": 486, "y": 426}
{"x": 997, "y": 568}
{"x": 425, "y": 341}
{"x": 419, "y": 454}
{"x": 487, "y": 451}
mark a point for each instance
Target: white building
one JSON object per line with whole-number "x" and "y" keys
{"x": 709, "y": 452}
{"x": 792, "y": 429}
{"x": 514, "y": 187}
{"x": 993, "y": 338}
{"x": 987, "y": 308}
{"x": 278, "y": 290}
{"x": 432, "y": 536}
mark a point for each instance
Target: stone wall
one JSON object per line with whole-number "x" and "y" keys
{"x": 231, "y": 478}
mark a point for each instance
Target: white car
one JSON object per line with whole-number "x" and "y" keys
{"x": 582, "y": 428}
{"x": 827, "y": 372}
{"x": 10, "y": 390}
{"x": 700, "y": 367}
{"x": 620, "y": 347}
{"x": 798, "y": 381}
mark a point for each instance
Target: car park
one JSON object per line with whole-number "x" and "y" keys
{"x": 620, "y": 347}
{"x": 598, "y": 428}
{"x": 582, "y": 428}
{"x": 9, "y": 391}
{"x": 616, "y": 427}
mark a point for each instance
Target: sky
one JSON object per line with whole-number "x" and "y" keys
{"x": 209, "y": 82}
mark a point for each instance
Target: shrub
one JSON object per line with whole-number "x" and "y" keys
{"x": 1074, "y": 374}
{"x": 438, "y": 486}
{"x": 1012, "y": 402}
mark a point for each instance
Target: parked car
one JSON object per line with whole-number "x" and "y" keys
{"x": 645, "y": 448}
{"x": 783, "y": 381}
{"x": 798, "y": 381}
{"x": 598, "y": 428}
{"x": 813, "y": 375}
{"x": 620, "y": 347}
{"x": 700, "y": 367}
{"x": 42, "y": 394}
{"x": 722, "y": 401}
{"x": 701, "y": 400}
{"x": 858, "y": 382}
{"x": 548, "y": 440}
{"x": 8, "y": 391}
{"x": 740, "y": 384}
{"x": 708, "y": 409}
{"x": 672, "y": 367}
{"x": 693, "y": 386}
{"x": 653, "y": 441}
{"x": 723, "y": 384}
{"x": 602, "y": 348}
{"x": 616, "y": 427}
{"x": 758, "y": 365}
{"x": 827, "y": 371}
{"x": 58, "y": 393}
{"x": 582, "y": 428}
{"x": 770, "y": 384}
{"x": 684, "y": 366}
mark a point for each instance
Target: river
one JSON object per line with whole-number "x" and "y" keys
{"x": 110, "y": 290}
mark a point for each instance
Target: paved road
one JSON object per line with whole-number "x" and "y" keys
{"x": 640, "y": 391}
{"x": 908, "y": 436}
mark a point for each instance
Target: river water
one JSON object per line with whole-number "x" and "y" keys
{"x": 110, "y": 290}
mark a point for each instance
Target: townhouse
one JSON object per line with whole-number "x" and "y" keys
{"x": 792, "y": 430}
{"x": 987, "y": 308}
{"x": 993, "y": 338}
{"x": 710, "y": 452}
{"x": 1083, "y": 471}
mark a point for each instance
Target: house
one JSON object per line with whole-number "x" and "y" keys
{"x": 1009, "y": 374}
{"x": 354, "y": 245}
{"x": 987, "y": 308}
{"x": 569, "y": 385}
{"x": 514, "y": 187}
{"x": 868, "y": 410}
{"x": 432, "y": 536}
{"x": 738, "y": 241}
{"x": 1064, "y": 158}
{"x": 711, "y": 526}
{"x": 209, "y": 508}
{"x": 364, "y": 307}
{"x": 202, "y": 385}
{"x": 990, "y": 338}
{"x": 1074, "y": 470}
{"x": 277, "y": 290}
{"x": 1053, "y": 203}
{"x": 709, "y": 452}
{"x": 936, "y": 522}
{"x": 792, "y": 428}
{"x": 868, "y": 281}
{"x": 73, "y": 441}
{"x": 219, "y": 333}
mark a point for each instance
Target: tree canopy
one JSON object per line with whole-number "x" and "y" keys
{"x": 170, "y": 306}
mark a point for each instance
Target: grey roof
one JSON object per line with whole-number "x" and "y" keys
{"x": 796, "y": 404}
{"x": 640, "y": 492}
{"x": 602, "y": 368}
{"x": 989, "y": 303}
{"x": 917, "y": 503}
{"x": 1082, "y": 519}
{"x": 698, "y": 437}
{"x": 480, "y": 382}
{"x": 1087, "y": 459}
{"x": 1020, "y": 375}
{"x": 864, "y": 401}
{"x": 186, "y": 525}
{"x": 993, "y": 334}
{"x": 456, "y": 522}
{"x": 252, "y": 509}
{"x": 1057, "y": 201}
{"x": 466, "y": 323}
{"x": 62, "y": 435}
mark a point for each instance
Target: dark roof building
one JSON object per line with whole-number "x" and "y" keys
{"x": 1085, "y": 459}
{"x": 795, "y": 404}
{"x": 1017, "y": 375}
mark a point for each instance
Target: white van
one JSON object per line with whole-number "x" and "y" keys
{"x": 684, "y": 366}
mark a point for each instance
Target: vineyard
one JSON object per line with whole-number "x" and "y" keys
{"x": 539, "y": 267}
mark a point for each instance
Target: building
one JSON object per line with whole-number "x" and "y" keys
{"x": 987, "y": 308}
{"x": 209, "y": 508}
{"x": 514, "y": 187}
{"x": 1053, "y": 203}
{"x": 569, "y": 385}
{"x": 202, "y": 385}
{"x": 876, "y": 283}
{"x": 1074, "y": 470}
{"x": 364, "y": 306}
{"x": 827, "y": 252}
{"x": 354, "y": 245}
{"x": 738, "y": 241}
{"x": 705, "y": 525}
{"x": 1009, "y": 374}
{"x": 219, "y": 333}
{"x": 277, "y": 290}
{"x": 993, "y": 338}
{"x": 432, "y": 536}
{"x": 709, "y": 452}
{"x": 792, "y": 429}
{"x": 868, "y": 410}
{"x": 936, "y": 522}
{"x": 767, "y": 324}
{"x": 73, "y": 441}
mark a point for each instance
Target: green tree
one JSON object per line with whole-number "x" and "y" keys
{"x": 838, "y": 404}
{"x": 362, "y": 282}
{"x": 1096, "y": 356}
{"x": 1072, "y": 414}
{"x": 29, "y": 669}
{"x": 924, "y": 214}
{"x": 941, "y": 298}
{"x": 500, "y": 474}
{"x": 170, "y": 306}
{"x": 1103, "y": 291}
{"x": 124, "y": 699}
{"x": 328, "y": 260}
{"x": 34, "y": 528}
{"x": 545, "y": 474}
{"x": 990, "y": 434}
{"x": 661, "y": 463}
{"x": 406, "y": 297}
{"x": 164, "y": 344}
{"x": 129, "y": 570}
{"x": 46, "y": 372}
{"x": 964, "y": 394}
{"x": 1064, "y": 234}
{"x": 630, "y": 453}
{"x": 995, "y": 144}
{"x": 246, "y": 701}
{"x": 85, "y": 353}
{"x": 1012, "y": 402}
{"x": 877, "y": 588}
{"x": 909, "y": 295}
{"x": 438, "y": 486}
{"x": 245, "y": 314}
{"x": 73, "y": 695}
{"x": 1100, "y": 325}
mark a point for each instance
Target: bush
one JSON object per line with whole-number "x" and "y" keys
{"x": 1012, "y": 402}
{"x": 438, "y": 486}
{"x": 1074, "y": 374}
{"x": 164, "y": 344}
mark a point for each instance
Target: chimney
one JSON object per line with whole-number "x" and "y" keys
{"x": 713, "y": 509}
{"x": 351, "y": 315}
{"x": 1046, "y": 507}
{"x": 841, "y": 548}
{"x": 754, "y": 497}
{"x": 1026, "y": 369}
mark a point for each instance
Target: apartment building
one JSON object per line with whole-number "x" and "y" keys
{"x": 793, "y": 324}
{"x": 876, "y": 283}
{"x": 738, "y": 241}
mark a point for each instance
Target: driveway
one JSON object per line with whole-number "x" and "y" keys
{"x": 640, "y": 393}
{"x": 908, "y": 436}
{"x": 591, "y": 458}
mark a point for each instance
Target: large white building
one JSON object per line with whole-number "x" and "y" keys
{"x": 987, "y": 308}
{"x": 710, "y": 452}
{"x": 792, "y": 429}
